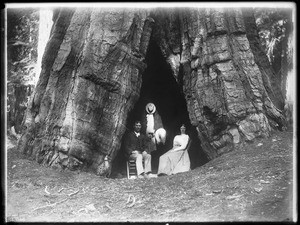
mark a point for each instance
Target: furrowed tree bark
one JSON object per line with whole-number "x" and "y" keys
{"x": 90, "y": 80}
{"x": 229, "y": 86}
{"x": 92, "y": 74}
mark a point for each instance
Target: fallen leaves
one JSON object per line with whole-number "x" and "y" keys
{"x": 217, "y": 191}
{"x": 88, "y": 208}
{"x": 107, "y": 205}
{"x": 47, "y": 192}
{"x": 91, "y": 207}
{"x": 131, "y": 200}
{"x": 264, "y": 181}
{"x": 258, "y": 190}
{"x": 234, "y": 196}
{"x": 51, "y": 195}
{"x": 73, "y": 193}
{"x": 60, "y": 190}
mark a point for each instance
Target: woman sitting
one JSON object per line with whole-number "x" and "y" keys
{"x": 177, "y": 159}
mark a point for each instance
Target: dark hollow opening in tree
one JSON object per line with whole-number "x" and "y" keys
{"x": 160, "y": 87}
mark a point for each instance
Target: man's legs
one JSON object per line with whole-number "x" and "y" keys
{"x": 147, "y": 162}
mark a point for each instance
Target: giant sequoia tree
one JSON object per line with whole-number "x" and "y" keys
{"x": 94, "y": 67}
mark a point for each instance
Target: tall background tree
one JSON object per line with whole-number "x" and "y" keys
{"x": 275, "y": 31}
{"x": 22, "y": 43}
{"x": 95, "y": 64}
{"x": 275, "y": 28}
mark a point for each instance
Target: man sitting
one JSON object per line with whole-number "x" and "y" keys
{"x": 136, "y": 147}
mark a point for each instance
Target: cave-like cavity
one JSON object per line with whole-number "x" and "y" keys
{"x": 160, "y": 87}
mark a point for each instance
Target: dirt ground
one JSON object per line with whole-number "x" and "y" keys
{"x": 252, "y": 183}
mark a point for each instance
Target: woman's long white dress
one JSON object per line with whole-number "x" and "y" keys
{"x": 177, "y": 161}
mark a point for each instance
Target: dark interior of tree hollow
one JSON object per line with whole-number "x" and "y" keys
{"x": 160, "y": 87}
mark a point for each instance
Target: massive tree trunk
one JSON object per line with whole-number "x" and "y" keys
{"x": 92, "y": 75}
{"x": 229, "y": 87}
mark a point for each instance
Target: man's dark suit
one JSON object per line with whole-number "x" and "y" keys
{"x": 133, "y": 143}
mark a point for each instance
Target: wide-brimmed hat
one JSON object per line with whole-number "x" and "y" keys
{"x": 150, "y": 108}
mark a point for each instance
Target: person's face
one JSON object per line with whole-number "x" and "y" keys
{"x": 137, "y": 127}
{"x": 182, "y": 129}
{"x": 150, "y": 135}
{"x": 151, "y": 107}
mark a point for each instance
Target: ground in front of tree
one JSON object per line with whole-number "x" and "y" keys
{"x": 252, "y": 183}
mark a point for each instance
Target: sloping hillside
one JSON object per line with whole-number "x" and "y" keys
{"x": 252, "y": 183}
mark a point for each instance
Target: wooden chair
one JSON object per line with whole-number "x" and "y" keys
{"x": 131, "y": 169}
